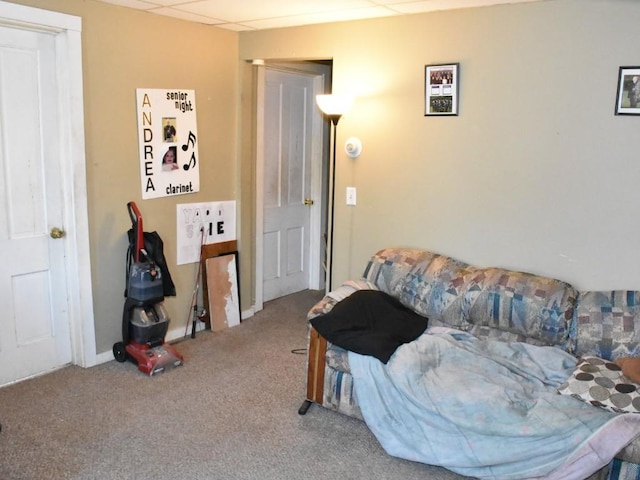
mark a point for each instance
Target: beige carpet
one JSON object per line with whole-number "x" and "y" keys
{"x": 229, "y": 413}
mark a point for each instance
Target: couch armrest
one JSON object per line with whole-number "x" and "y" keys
{"x": 317, "y": 345}
{"x": 343, "y": 291}
{"x": 315, "y": 373}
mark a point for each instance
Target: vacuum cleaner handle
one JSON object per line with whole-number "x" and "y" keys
{"x": 136, "y": 222}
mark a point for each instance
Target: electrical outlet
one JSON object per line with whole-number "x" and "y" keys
{"x": 351, "y": 195}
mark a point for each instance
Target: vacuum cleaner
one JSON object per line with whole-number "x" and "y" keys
{"x": 144, "y": 319}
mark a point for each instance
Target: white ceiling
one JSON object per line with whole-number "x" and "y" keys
{"x": 242, "y": 15}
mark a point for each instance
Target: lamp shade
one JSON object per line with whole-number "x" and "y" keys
{"x": 334, "y": 104}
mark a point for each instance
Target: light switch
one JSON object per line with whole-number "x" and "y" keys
{"x": 351, "y": 195}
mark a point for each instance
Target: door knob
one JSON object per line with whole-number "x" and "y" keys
{"x": 56, "y": 233}
{"x": 308, "y": 201}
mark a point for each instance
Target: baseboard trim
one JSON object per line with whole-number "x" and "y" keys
{"x": 172, "y": 335}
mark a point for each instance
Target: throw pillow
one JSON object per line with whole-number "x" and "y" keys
{"x": 608, "y": 324}
{"x": 370, "y": 322}
{"x": 630, "y": 368}
{"x": 602, "y": 384}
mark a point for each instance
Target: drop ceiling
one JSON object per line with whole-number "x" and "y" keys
{"x": 240, "y": 15}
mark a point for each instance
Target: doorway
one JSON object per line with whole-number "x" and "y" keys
{"x": 45, "y": 285}
{"x": 290, "y": 180}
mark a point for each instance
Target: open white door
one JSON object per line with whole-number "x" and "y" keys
{"x": 287, "y": 183}
{"x": 289, "y": 190}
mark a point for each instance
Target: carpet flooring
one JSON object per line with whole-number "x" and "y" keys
{"x": 230, "y": 412}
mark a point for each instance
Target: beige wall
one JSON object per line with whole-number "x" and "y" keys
{"x": 124, "y": 49}
{"x": 535, "y": 174}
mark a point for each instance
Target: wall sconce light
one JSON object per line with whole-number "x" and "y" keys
{"x": 353, "y": 147}
{"x": 333, "y": 106}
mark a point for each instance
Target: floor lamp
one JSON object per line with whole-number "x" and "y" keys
{"x": 333, "y": 106}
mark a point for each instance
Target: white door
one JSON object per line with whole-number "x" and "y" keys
{"x": 287, "y": 182}
{"x": 34, "y": 323}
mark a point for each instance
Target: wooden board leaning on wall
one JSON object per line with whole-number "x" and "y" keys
{"x": 209, "y": 251}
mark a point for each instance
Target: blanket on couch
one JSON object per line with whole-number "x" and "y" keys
{"x": 485, "y": 409}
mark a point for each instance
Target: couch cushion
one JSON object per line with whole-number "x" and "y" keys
{"x": 337, "y": 358}
{"x": 388, "y": 268}
{"x": 339, "y": 394}
{"x": 608, "y": 324}
{"x": 343, "y": 291}
{"x": 529, "y": 305}
{"x": 435, "y": 287}
{"x": 601, "y": 383}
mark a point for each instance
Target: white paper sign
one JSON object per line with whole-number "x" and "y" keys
{"x": 168, "y": 141}
{"x": 201, "y": 224}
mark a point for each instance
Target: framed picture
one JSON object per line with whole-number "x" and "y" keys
{"x": 628, "y": 96}
{"x": 222, "y": 275}
{"x": 441, "y": 89}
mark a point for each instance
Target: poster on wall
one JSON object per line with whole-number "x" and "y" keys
{"x": 201, "y": 224}
{"x": 168, "y": 142}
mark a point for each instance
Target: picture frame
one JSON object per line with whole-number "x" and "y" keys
{"x": 222, "y": 280}
{"x": 441, "y": 86}
{"x": 628, "y": 93}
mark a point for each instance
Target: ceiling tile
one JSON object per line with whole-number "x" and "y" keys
{"x": 192, "y": 17}
{"x": 325, "y": 17}
{"x": 433, "y": 5}
{"x": 240, "y": 12}
{"x": 137, "y": 4}
{"x": 239, "y": 15}
{"x": 169, "y": 3}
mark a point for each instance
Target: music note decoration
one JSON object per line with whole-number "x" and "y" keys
{"x": 191, "y": 141}
{"x": 187, "y": 166}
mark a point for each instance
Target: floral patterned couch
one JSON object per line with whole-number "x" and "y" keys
{"x": 489, "y": 303}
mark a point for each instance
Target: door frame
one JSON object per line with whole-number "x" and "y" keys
{"x": 316, "y": 272}
{"x": 67, "y": 30}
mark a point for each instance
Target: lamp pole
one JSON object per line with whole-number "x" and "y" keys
{"x": 334, "y": 120}
{"x": 333, "y": 106}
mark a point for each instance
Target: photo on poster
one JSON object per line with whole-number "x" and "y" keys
{"x": 169, "y": 130}
{"x": 170, "y": 160}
